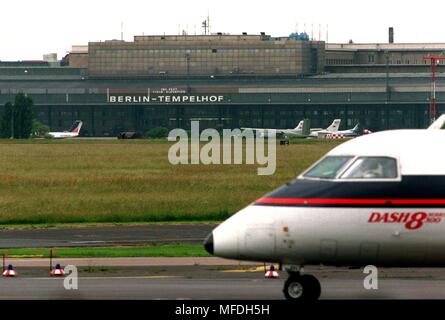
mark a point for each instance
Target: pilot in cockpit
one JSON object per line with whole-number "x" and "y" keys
{"x": 376, "y": 167}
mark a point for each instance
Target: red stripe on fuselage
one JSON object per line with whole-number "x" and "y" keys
{"x": 346, "y": 201}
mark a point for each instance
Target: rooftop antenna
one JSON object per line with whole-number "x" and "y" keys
{"x": 208, "y": 22}
{"x": 312, "y": 32}
{"x": 204, "y": 27}
{"x": 122, "y": 31}
{"x": 319, "y": 32}
{"x": 304, "y": 29}
{"x": 327, "y": 33}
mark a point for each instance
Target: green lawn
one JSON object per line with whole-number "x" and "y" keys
{"x": 176, "y": 250}
{"x": 100, "y": 181}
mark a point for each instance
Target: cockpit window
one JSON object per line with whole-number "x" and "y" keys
{"x": 372, "y": 168}
{"x": 328, "y": 168}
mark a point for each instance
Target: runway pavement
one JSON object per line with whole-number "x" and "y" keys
{"x": 104, "y": 235}
{"x": 209, "y": 289}
{"x": 183, "y": 278}
{"x": 205, "y": 282}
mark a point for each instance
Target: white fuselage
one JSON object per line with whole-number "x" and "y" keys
{"x": 63, "y": 135}
{"x": 321, "y": 133}
{"x": 332, "y": 236}
{"x": 287, "y": 133}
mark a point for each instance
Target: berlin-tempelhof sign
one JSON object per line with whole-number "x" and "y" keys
{"x": 164, "y": 95}
{"x": 165, "y": 99}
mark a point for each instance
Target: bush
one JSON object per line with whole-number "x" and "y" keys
{"x": 159, "y": 132}
{"x": 39, "y": 129}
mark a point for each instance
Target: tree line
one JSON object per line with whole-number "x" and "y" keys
{"x": 18, "y": 120}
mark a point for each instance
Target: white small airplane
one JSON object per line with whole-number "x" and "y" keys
{"x": 71, "y": 133}
{"x": 321, "y": 133}
{"x": 376, "y": 200}
{"x": 354, "y": 132}
{"x": 300, "y": 131}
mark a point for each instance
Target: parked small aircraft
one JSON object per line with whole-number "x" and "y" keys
{"x": 71, "y": 133}
{"x": 300, "y": 131}
{"x": 354, "y": 132}
{"x": 321, "y": 133}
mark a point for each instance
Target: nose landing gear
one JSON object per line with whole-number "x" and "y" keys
{"x": 301, "y": 287}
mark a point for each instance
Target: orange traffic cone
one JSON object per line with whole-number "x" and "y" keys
{"x": 10, "y": 272}
{"x": 271, "y": 274}
{"x": 57, "y": 271}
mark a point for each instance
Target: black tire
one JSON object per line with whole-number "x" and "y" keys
{"x": 313, "y": 286}
{"x": 302, "y": 288}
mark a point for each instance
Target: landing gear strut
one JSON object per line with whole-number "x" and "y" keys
{"x": 301, "y": 287}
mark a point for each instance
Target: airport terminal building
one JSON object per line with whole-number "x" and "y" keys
{"x": 224, "y": 81}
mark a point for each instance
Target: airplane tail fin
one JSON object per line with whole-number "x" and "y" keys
{"x": 75, "y": 128}
{"x": 300, "y": 125}
{"x": 334, "y": 126}
{"x": 306, "y": 127}
{"x": 356, "y": 129}
{"x": 438, "y": 124}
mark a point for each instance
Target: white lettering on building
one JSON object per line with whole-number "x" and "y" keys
{"x": 166, "y": 99}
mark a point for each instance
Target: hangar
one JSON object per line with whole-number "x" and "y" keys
{"x": 268, "y": 92}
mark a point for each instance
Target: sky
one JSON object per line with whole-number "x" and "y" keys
{"x": 29, "y": 29}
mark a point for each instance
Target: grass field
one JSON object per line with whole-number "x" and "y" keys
{"x": 176, "y": 250}
{"x": 98, "y": 181}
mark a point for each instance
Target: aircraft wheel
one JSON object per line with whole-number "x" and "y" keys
{"x": 302, "y": 288}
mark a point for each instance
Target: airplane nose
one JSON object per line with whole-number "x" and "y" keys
{"x": 208, "y": 243}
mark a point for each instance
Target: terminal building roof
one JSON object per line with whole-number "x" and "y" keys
{"x": 77, "y": 77}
